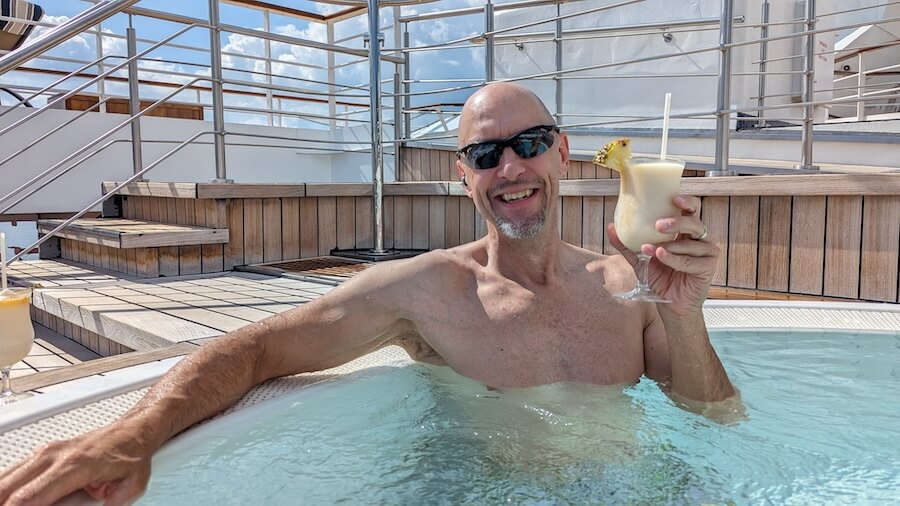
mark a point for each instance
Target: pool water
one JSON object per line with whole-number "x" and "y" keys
{"x": 821, "y": 426}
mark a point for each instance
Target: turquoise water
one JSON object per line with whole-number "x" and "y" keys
{"x": 820, "y": 426}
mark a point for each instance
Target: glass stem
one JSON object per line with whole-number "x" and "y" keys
{"x": 643, "y": 273}
{"x": 6, "y": 389}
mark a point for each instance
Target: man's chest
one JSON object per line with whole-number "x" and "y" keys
{"x": 510, "y": 339}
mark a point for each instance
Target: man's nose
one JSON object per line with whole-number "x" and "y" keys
{"x": 510, "y": 166}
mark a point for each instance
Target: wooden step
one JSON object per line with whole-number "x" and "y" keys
{"x": 127, "y": 234}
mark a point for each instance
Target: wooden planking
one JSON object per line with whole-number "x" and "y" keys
{"x": 843, "y": 236}
{"x": 327, "y": 230}
{"x": 774, "y": 243}
{"x": 593, "y": 229}
{"x": 466, "y": 220}
{"x": 309, "y": 227}
{"x": 743, "y": 237}
{"x": 714, "y": 213}
{"x": 451, "y": 223}
{"x": 188, "y": 256}
{"x": 437, "y": 211}
{"x": 417, "y": 188}
{"x": 234, "y": 250}
{"x": 572, "y": 217}
{"x": 365, "y": 222}
{"x": 345, "y": 222}
{"x": 148, "y": 263}
{"x": 420, "y": 217}
{"x": 338, "y": 189}
{"x": 880, "y": 256}
{"x": 45, "y": 379}
{"x": 609, "y": 210}
{"x": 807, "y": 245}
{"x": 247, "y": 191}
{"x": 154, "y": 189}
{"x": 290, "y": 224}
{"x": 388, "y": 204}
{"x": 168, "y": 256}
{"x": 448, "y": 160}
{"x": 405, "y": 172}
{"x": 217, "y": 218}
{"x": 403, "y": 222}
{"x": 271, "y": 230}
{"x": 253, "y": 231}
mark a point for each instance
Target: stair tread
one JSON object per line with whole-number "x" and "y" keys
{"x": 128, "y": 233}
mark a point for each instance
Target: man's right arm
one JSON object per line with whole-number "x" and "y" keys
{"x": 113, "y": 463}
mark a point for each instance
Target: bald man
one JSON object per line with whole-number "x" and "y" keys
{"x": 516, "y": 308}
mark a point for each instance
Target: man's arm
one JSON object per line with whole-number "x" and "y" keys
{"x": 677, "y": 351}
{"x": 113, "y": 463}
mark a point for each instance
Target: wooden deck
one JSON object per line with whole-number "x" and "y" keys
{"x": 131, "y": 233}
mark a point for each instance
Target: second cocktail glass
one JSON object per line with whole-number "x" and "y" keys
{"x": 16, "y": 336}
{"x": 646, "y": 190}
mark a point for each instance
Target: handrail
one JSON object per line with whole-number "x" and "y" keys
{"x": 64, "y": 32}
{"x": 89, "y": 145}
{"x": 94, "y": 80}
{"x": 53, "y": 131}
{"x": 137, "y": 175}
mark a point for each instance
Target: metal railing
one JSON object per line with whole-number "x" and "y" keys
{"x": 406, "y": 88}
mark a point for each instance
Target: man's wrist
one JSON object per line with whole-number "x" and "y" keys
{"x": 681, "y": 323}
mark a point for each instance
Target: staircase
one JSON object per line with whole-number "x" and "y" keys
{"x": 148, "y": 231}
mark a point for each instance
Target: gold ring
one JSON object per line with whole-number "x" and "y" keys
{"x": 703, "y": 235}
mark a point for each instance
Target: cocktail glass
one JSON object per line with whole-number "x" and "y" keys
{"x": 16, "y": 336}
{"x": 646, "y": 190}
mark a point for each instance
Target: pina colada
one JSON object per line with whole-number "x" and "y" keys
{"x": 16, "y": 332}
{"x": 645, "y": 195}
{"x": 647, "y": 189}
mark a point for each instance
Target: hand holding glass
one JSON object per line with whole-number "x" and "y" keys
{"x": 646, "y": 190}
{"x": 16, "y": 335}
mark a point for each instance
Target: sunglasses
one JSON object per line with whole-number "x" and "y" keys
{"x": 527, "y": 144}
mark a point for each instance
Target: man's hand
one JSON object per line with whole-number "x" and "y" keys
{"x": 680, "y": 270}
{"x": 110, "y": 464}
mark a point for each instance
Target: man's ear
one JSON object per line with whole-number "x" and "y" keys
{"x": 563, "y": 153}
{"x": 461, "y": 172}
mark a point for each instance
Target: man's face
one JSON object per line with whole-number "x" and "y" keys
{"x": 516, "y": 188}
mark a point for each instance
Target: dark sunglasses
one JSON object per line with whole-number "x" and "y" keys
{"x": 527, "y": 144}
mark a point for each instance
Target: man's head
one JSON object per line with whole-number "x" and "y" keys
{"x": 511, "y": 158}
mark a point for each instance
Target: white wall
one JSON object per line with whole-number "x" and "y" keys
{"x": 245, "y": 164}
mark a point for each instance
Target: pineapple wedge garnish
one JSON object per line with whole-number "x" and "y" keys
{"x": 614, "y": 155}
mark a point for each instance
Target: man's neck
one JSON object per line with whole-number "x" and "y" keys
{"x": 531, "y": 261}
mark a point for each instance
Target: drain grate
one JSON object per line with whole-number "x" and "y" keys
{"x": 322, "y": 266}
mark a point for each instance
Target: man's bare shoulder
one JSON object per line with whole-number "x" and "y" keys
{"x": 614, "y": 269}
{"x": 436, "y": 266}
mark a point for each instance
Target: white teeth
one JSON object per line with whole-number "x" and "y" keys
{"x": 509, "y": 197}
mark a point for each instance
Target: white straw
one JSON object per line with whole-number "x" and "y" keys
{"x": 665, "y": 133}
{"x": 2, "y": 262}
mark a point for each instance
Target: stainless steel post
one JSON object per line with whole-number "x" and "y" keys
{"x": 763, "y": 56}
{"x": 860, "y": 87}
{"x": 723, "y": 119}
{"x": 215, "y": 50}
{"x": 398, "y": 123}
{"x": 375, "y": 125}
{"x": 407, "y": 102}
{"x": 488, "y": 42}
{"x": 559, "y": 64}
{"x": 809, "y": 110}
{"x": 137, "y": 159}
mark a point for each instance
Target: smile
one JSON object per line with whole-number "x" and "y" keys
{"x": 510, "y": 197}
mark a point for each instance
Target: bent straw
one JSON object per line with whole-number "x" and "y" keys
{"x": 2, "y": 262}
{"x": 665, "y": 132}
